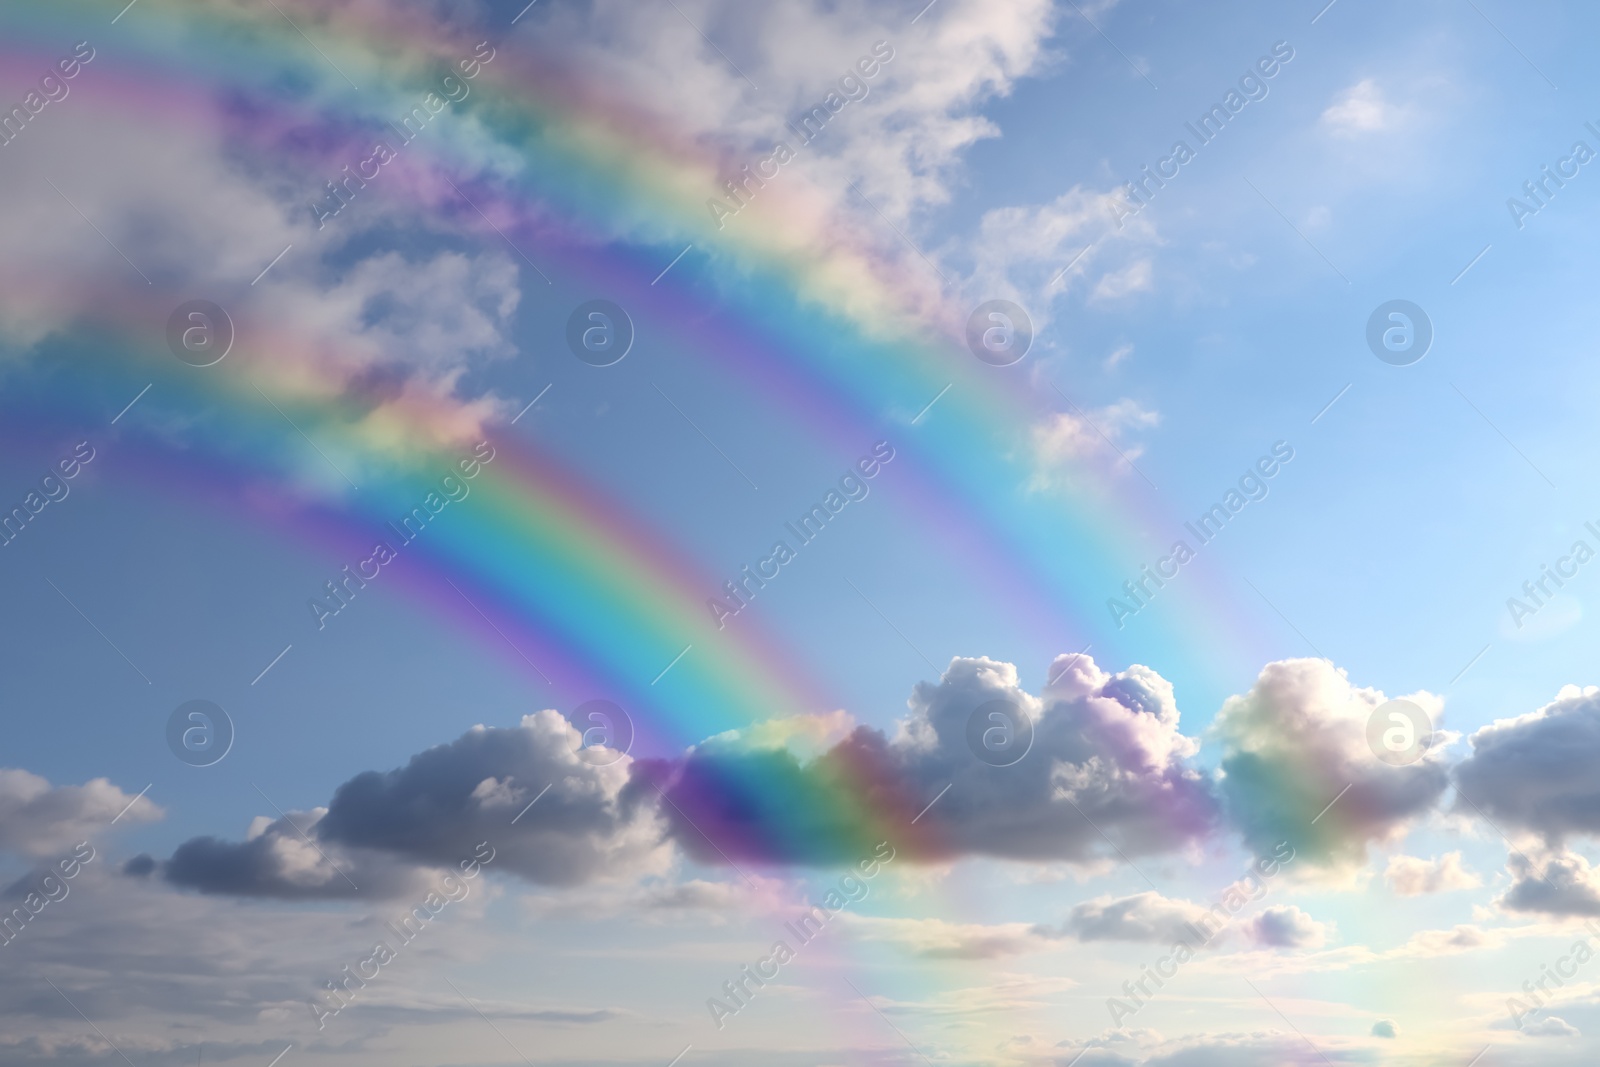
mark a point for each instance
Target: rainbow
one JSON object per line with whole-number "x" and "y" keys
{"x": 845, "y": 335}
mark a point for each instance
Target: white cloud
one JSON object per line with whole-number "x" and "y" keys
{"x": 1359, "y": 109}
{"x": 1134, "y": 278}
{"x": 38, "y": 819}
{"x": 1551, "y": 1026}
{"x": 1297, "y": 741}
{"x": 1411, "y": 876}
{"x": 1121, "y": 353}
{"x": 1036, "y": 252}
{"x": 1067, "y": 444}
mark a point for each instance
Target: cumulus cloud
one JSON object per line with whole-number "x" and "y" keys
{"x": 1559, "y": 883}
{"x": 1295, "y": 742}
{"x": 1385, "y": 1028}
{"x": 1287, "y": 927}
{"x": 281, "y": 859}
{"x": 1107, "y": 757}
{"x": 1411, "y": 876}
{"x": 391, "y": 825}
{"x": 38, "y": 819}
{"x": 1535, "y": 772}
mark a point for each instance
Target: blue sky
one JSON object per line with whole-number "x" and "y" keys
{"x": 1228, "y": 314}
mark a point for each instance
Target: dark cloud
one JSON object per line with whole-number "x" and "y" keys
{"x": 1537, "y": 772}
{"x": 1108, "y": 775}
{"x": 1556, "y": 884}
{"x": 384, "y": 830}
{"x": 283, "y": 860}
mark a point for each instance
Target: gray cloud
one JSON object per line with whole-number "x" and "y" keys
{"x": 1286, "y": 927}
{"x": 1556, "y": 884}
{"x": 1536, "y": 772}
{"x": 283, "y": 860}
{"x": 1142, "y": 917}
{"x": 1107, "y": 757}
{"x": 383, "y": 829}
